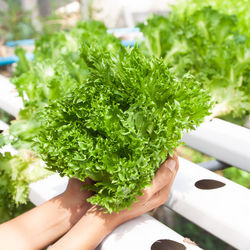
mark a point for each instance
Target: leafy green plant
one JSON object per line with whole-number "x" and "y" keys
{"x": 208, "y": 44}
{"x": 56, "y": 69}
{"x": 15, "y": 23}
{"x": 231, "y": 7}
{"x": 16, "y": 173}
{"x": 120, "y": 124}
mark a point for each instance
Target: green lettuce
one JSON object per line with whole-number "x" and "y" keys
{"x": 120, "y": 125}
{"x": 16, "y": 173}
{"x": 239, "y": 8}
{"x": 56, "y": 69}
{"x": 209, "y": 45}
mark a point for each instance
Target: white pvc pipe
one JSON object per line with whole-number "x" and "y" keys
{"x": 224, "y": 211}
{"x": 224, "y": 141}
{"x": 9, "y": 99}
{"x": 140, "y": 233}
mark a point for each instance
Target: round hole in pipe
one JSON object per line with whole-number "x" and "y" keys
{"x": 207, "y": 184}
{"x": 167, "y": 245}
{"x": 1, "y": 131}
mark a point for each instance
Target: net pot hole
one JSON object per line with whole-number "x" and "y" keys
{"x": 207, "y": 184}
{"x": 167, "y": 245}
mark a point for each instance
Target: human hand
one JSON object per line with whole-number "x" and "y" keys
{"x": 95, "y": 224}
{"x": 156, "y": 194}
{"x": 76, "y": 197}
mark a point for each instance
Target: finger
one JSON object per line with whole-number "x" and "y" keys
{"x": 162, "y": 195}
{"x": 163, "y": 175}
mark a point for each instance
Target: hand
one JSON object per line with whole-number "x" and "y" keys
{"x": 44, "y": 224}
{"x": 95, "y": 224}
{"x": 154, "y": 195}
{"x": 75, "y": 197}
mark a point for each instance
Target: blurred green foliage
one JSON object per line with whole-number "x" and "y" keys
{"x": 237, "y": 175}
{"x": 5, "y": 117}
{"x": 234, "y": 174}
{"x": 240, "y": 8}
{"x": 15, "y": 23}
{"x": 201, "y": 237}
{"x": 16, "y": 173}
{"x": 192, "y": 155}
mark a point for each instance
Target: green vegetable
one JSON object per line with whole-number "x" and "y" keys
{"x": 120, "y": 125}
{"x": 232, "y": 7}
{"x": 208, "y": 44}
{"x": 16, "y": 173}
{"x": 57, "y": 68}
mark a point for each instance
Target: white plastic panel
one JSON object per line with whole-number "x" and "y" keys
{"x": 223, "y": 140}
{"x": 9, "y": 99}
{"x": 224, "y": 211}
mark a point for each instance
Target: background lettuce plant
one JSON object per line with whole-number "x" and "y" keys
{"x": 208, "y": 44}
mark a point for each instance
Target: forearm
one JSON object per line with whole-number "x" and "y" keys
{"x": 42, "y": 225}
{"x": 89, "y": 231}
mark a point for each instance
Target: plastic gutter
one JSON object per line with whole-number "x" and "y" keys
{"x": 9, "y": 99}
{"x": 20, "y": 42}
{"x": 222, "y": 140}
{"x": 213, "y": 202}
{"x": 14, "y": 59}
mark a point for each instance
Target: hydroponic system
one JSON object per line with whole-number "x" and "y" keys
{"x": 92, "y": 102}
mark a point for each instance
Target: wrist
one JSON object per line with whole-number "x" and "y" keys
{"x": 89, "y": 231}
{"x": 75, "y": 206}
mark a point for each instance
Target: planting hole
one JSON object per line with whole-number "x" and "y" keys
{"x": 1, "y": 131}
{"x": 209, "y": 184}
{"x": 167, "y": 245}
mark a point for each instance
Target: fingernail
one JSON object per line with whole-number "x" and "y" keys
{"x": 171, "y": 165}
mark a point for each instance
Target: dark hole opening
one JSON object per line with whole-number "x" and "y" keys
{"x": 209, "y": 184}
{"x": 167, "y": 245}
{"x": 1, "y": 131}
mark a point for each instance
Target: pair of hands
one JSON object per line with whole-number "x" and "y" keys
{"x": 73, "y": 223}
{"x": 104, "y": 223}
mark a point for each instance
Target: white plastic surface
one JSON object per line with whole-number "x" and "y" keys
{"x": 44, "y": 190}
{"x": 3, "y": 125}
{"x": 223, "y": 140}
{"x": 139, "y": 234}
{"x": 9, "y": 99}
{"x": 224, "y": 212}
